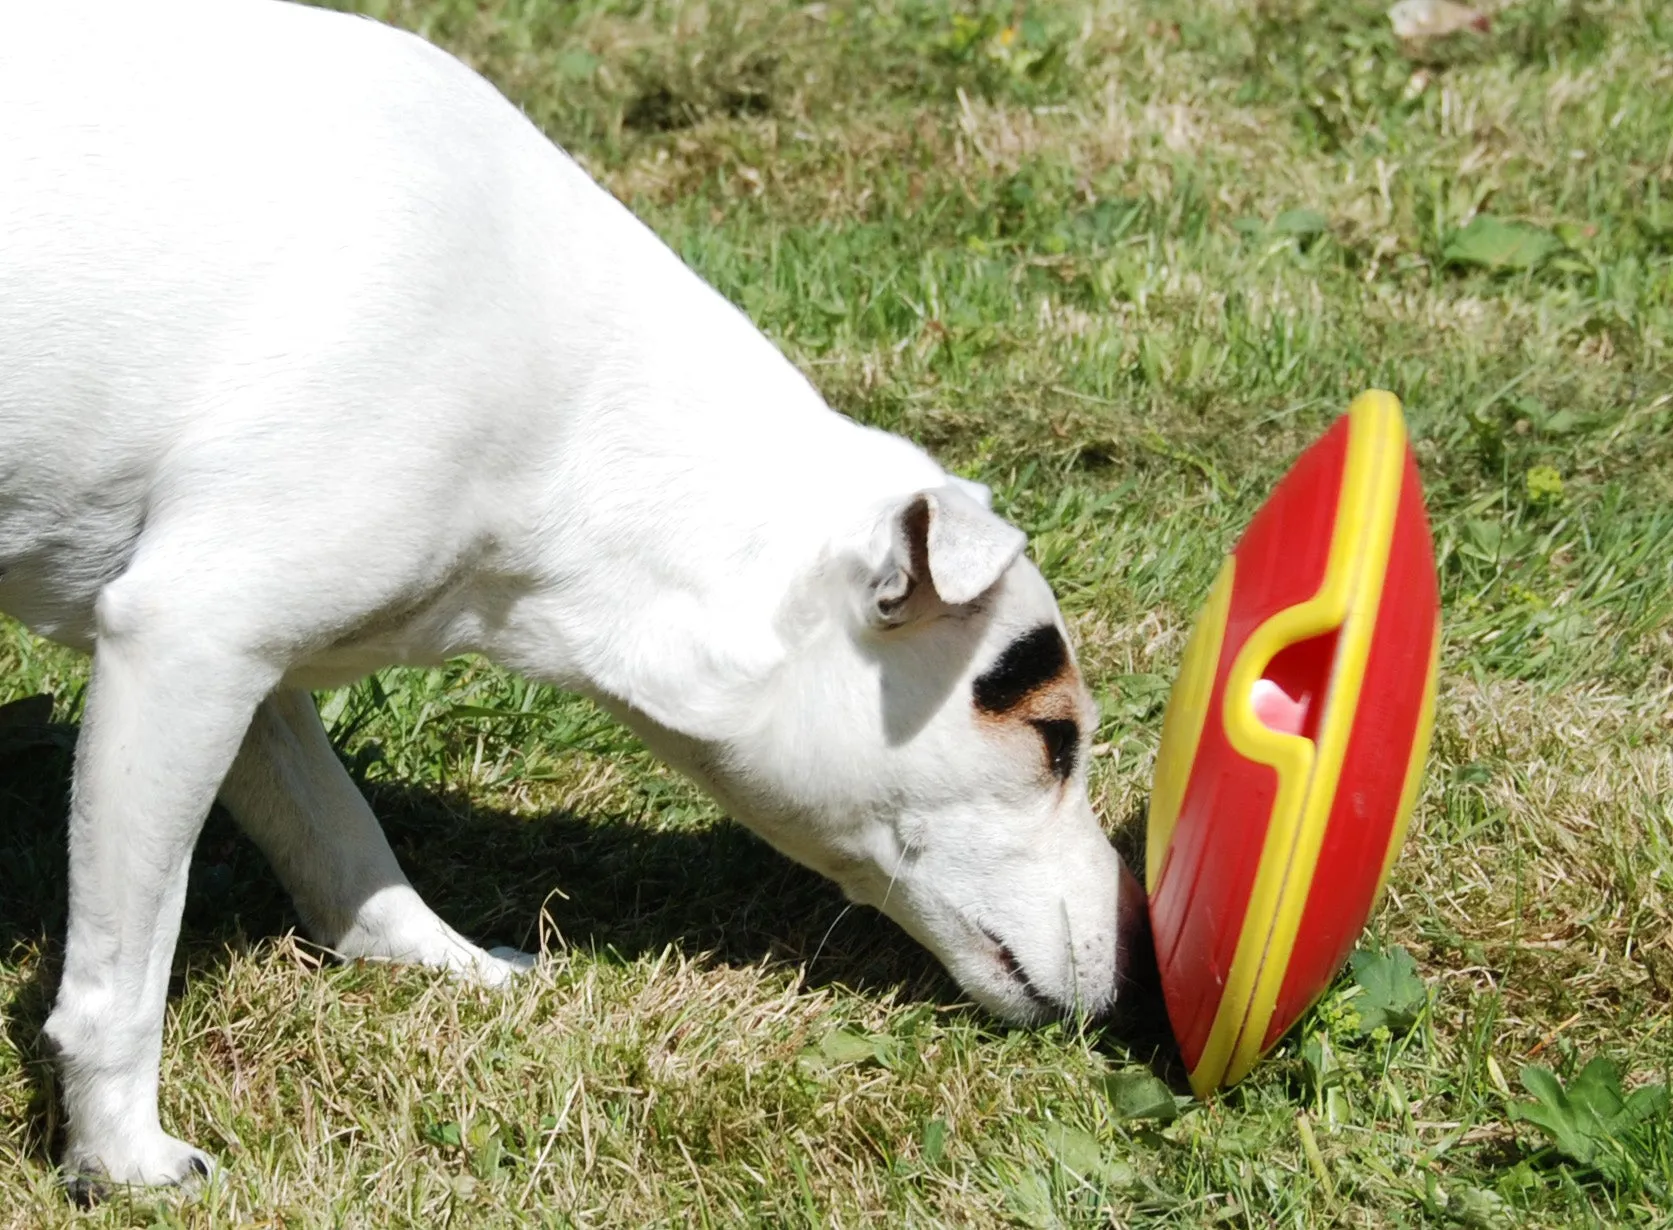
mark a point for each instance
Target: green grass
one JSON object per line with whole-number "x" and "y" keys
{"x": 1122, "y": 261}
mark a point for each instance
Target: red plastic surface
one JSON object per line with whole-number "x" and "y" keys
{"x": 1203, "y": 891}
{"x": 1374, "y": 767}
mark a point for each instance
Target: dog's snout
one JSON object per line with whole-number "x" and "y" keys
{"x": 1138, "y": 1013}
{"x": 1136, "y": 975}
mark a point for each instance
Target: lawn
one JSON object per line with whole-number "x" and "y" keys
{"x": 1122, "y": 261}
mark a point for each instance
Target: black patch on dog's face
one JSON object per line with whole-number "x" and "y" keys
{"x": 1028, "y": 664}
{"x": 1062, "y": 739}
{"x": 1027, "y": 686}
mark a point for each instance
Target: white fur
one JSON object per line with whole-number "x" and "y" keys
{"x": 316, "y": 357}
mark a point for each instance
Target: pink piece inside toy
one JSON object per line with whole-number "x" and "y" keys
{"x": 1288, "y": 696}
{"x": 1277, "y": 709}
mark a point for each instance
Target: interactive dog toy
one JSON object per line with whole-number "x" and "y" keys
{"x": 1293, "y": 744}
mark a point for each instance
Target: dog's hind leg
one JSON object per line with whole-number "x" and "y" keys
{"x": 166, "y": 707}
{"x": 290, "y": 793}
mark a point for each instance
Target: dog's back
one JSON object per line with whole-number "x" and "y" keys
{"x": 195, "y": 198}
{"x": 256, "y": 248}
{"x": 175, "y": 170}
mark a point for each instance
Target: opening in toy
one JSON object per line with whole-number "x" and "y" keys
{"x": 1289, "y": 695}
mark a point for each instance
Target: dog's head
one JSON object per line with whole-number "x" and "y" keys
{"x": 924, "y": 744}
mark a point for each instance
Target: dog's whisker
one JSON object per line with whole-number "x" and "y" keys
{"x": 841, "y": 914}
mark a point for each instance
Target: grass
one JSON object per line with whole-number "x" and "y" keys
{"x": 1121, "y": 260}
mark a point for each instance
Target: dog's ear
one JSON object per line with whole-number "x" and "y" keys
{"x": 944, "y": 547}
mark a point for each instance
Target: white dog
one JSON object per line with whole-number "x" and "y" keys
{"x": 317, "y": 357}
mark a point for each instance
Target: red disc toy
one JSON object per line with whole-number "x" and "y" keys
{"x": 1293, "y": 744}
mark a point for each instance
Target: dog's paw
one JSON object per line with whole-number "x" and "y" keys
{"x": 521, "y": 962}
{"x": 91, "y": 1174}
{"x": 507, "y": 964}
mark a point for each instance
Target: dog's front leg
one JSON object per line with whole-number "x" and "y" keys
{"x": 166, "y": 708}
{"x": 291, "y": 794}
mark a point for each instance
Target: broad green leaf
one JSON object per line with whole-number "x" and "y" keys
{"x": 1078, "y": 1153}
{"x": 486, "y": 1149}
{"x": 1300, "y": 222}
{"x": 1137, "y": 1094}
{"x": 445, "y": 1134}
{"x": 1319, "y": 1061}
{"x": 1394, "y": 994}
{"x": 846, "y": 1046}
{"x": 1573, "y": 234}
{"x": 1645, "y": 1104}
{"x": 1075, "y": 1149}
{"x": 1593, "y": 1122}
{"x": 1473, "y": 773}
{"x": 1494, "y": 243}
{"x": 577, "y": 64}
{"x": 1337, "y": 1109}
{"x": 1028, "y": 1192}
{"x": 1597, "y": 1089}
{"x": 1483, "y": 540}
{"x": 1543, "y": 1084}
{"x": 1561, "y": 422}
{"x": 1552, "y": 1110}
{"x": 1475, "y": 1206}
{"x": 1570, "y": 264}
{"x": 935, "y": 1141}
{"x": 1520, "y": 1181}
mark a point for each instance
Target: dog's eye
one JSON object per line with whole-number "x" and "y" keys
{"x": 1062, "y": 739}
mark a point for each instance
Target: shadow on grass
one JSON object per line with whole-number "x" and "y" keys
{"x": 35, "y": 756}
{"x": 615, "y": 887}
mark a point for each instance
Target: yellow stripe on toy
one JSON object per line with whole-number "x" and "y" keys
{"x": 1293, "y": 744}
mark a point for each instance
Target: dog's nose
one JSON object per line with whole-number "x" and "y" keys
{"x": 1136, "y": 977}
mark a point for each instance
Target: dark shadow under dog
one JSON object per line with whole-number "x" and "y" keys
{"x": 623, "y": 887}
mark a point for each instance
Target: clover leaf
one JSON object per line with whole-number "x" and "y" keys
{"x": 1393, "y": 994}
{"x": 1594, "y": 1122}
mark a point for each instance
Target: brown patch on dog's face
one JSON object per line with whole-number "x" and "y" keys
{"x": 1035, "y": 683}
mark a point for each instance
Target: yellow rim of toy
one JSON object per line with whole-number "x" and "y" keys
{"x": 1182, "y": 724}
{"x": 1307, "y": 771}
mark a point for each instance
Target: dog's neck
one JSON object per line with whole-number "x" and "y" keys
{"x": 699, "y": 496}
